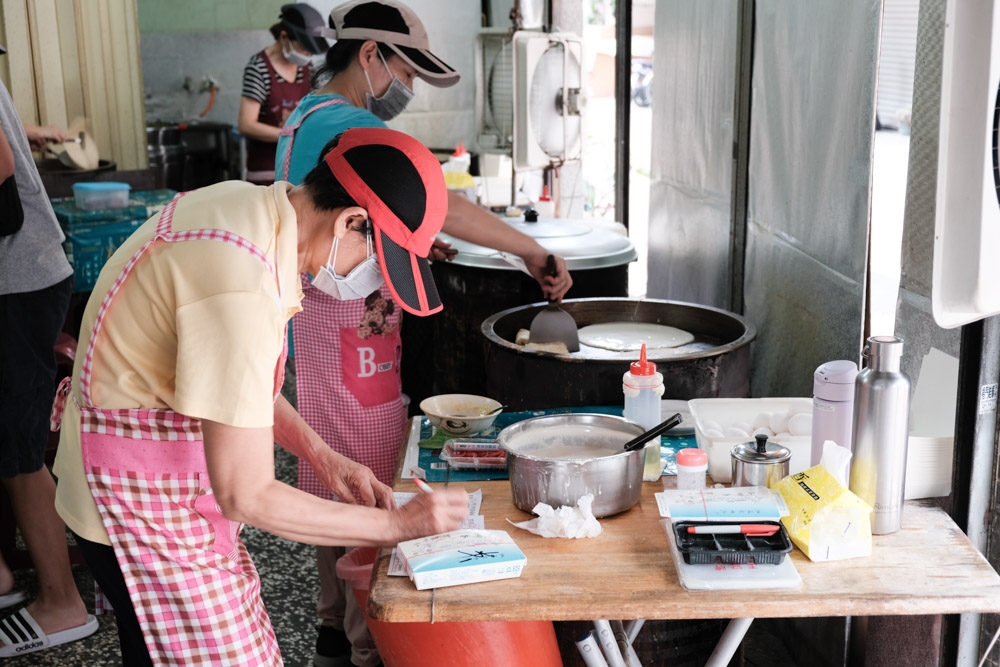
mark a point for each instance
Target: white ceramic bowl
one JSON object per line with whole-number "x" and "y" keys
{"x": 460, "y": 414}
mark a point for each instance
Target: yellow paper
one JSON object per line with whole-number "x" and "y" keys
{"x": 458, "y": 180}
{"x": 825, "y": 520}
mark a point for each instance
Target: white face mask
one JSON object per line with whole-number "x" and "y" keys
{"x": 363, "y": 279}
{"x": 393, "y": 101}
{"x": 295, "y": 57}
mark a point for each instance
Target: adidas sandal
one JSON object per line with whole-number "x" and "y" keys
{"x": 20, "y": 634}
{"x": 12, "y": 598}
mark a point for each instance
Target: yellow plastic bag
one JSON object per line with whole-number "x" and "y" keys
{"x": 825, "y": 520}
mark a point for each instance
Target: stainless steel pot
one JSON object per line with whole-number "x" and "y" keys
{"x": 615, "y": 480}
{"x": 760, "y": 463}
{"x": 716, "y": 364}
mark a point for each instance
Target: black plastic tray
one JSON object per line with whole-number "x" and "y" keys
{"x": 708, "y": 548}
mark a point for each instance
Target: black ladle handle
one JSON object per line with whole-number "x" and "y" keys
{"x": 552, "y": 270}
{"x": 663, "y": 427}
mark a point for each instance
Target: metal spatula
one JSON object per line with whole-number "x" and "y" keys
{"x": 553, "y": 324}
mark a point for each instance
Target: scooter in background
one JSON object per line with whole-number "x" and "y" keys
{"x": 642, "y": 82}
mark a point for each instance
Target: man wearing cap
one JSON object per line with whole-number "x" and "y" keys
{"x": 346, "y": 372}
{"x": 274, "y": 81}
{"x": 170, "y": 418}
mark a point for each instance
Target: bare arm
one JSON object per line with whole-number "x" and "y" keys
{"x": 39, "y": 135}
{"x": 469, "y": 222}
{"x": 338, "y": 473}
{"x": 6, "y": 158}
{"x": 250, "y": 127}
{"x": 241, "y": 470}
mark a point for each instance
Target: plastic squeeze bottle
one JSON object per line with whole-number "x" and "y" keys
{"x": 643, "y": 387}
{"x": 456, "y": 173}
{"x": 545, "y": 206}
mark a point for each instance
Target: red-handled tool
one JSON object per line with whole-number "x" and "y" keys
{"x": 749, "y": 529}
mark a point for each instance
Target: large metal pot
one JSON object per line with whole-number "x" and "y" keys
{"x": 479, "y": 282}
{"x": 716, "y": 365}
{"x": 615, "y": 481}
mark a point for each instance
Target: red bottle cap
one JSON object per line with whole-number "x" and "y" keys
{"x": 459, "y": 150}
{"x": 692, "y": 456}
{"x": 545, "y": 194}
{"x": 642, "y": 367}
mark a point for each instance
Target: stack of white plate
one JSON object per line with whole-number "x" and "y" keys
{"x": 928, "y": 467}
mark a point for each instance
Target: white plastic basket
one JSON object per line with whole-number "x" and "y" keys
{"x": 727, "y": 411}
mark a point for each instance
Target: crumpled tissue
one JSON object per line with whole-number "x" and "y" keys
{"x": 566, "y": 521}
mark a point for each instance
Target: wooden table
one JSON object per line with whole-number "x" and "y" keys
{"x": 928, "y": 567}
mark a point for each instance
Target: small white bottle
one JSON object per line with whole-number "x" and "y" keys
{"x": 643, "y": 387}
{"x": 692, "y": 464}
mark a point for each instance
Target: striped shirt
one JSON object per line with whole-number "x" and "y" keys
{"x": 256, "y": 82}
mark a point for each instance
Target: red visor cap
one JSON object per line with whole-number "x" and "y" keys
{"x": 402, "y": 246}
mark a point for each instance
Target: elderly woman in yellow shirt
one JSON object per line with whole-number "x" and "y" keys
{"x": 167, "y": 442}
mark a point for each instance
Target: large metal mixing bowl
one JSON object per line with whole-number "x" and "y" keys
{"x": 615, "y": 481}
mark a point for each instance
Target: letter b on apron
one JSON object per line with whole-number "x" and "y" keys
{"x": 371, "y": 366}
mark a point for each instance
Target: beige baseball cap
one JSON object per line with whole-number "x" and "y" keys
{"x": 395, "y": 25}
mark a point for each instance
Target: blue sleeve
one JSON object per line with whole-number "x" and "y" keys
{"x": 318, "y": 129}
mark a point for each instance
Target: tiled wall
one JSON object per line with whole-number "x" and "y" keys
{"x": 440, "y": 118}
{"x": 195, "y": 39}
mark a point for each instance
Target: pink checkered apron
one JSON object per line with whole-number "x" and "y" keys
{"x": 194, "y": 588}
{"x": 347, "y": 379}
{"x": 347, "y": 369}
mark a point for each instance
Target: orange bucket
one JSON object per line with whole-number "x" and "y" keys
{"x": 480, "y": 644}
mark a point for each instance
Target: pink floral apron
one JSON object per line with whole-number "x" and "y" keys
{"x": 195, "y": 590}
{"x": 347, "y": 369}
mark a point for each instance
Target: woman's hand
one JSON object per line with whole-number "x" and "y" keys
{"x": 351, "y": 481}
{"x": 554, "y": 287}
{"x": 442, "y": 251}
{"x": 430, "y": 514}
{"x": 38, "y": 136}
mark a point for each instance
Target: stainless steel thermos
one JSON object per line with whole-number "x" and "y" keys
{"x": 880, "y": 434}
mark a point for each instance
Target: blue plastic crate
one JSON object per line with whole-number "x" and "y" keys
{"x": 142, "y": 204}
{"x": 88, "y": 248}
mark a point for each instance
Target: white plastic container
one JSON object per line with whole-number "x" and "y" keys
{"x": 692, "y": 463}
{"x": 643, "y": 387}
{"x": 725, "y": 412}
{"x": 101, "y": 195}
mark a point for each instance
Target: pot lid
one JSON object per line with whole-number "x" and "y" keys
{"x": 583, "y": 244}
{"x": 761, "y": 451}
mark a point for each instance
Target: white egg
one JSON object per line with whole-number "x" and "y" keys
{"x": 743, "y": 426}
{"x": 712, "y": 433}
{"x": 800, "y": 424}
{"x": 779, "y": 422}
{"x": 762, "y": 420}
{"x": 763, "y": 430}
{"x": 733, "y": 432}
{"x": 709, "y": 425}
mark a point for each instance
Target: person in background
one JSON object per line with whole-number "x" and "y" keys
{"x": 35, "y": 287}
{"x": 348, "y": 351}
{"x": 274, "y": 81}
{"x": 170, "y": 420}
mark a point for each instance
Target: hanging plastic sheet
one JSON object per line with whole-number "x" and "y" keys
{"x": 811, "y": 137}
{"x": 694, "y": 64}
